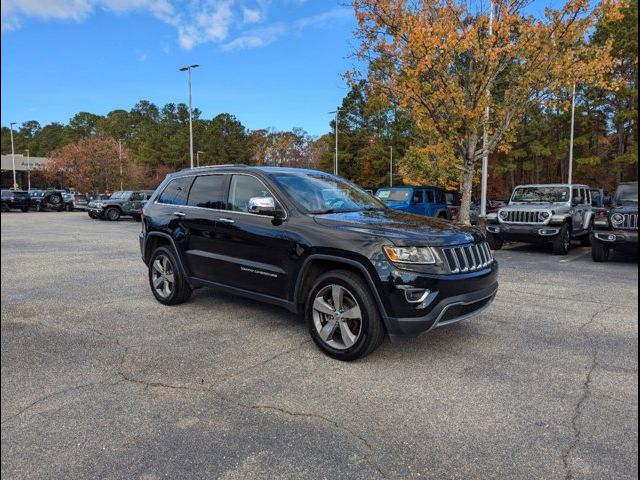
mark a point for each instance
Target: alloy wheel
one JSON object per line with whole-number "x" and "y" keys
{"x": 337, "y": 317}
{"x": 162, "y": 276}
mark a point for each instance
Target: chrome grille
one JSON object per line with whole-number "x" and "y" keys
{"x": 468, "y": 258}
{"x": 630, "y": 221}
{"x": 524, "y": 216}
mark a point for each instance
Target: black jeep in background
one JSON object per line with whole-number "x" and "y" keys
{"x": 617, "y": 227}
{"x": 318, "y": 245}
{"x": 15, "y": 200}
{"x": 120, "y": 204}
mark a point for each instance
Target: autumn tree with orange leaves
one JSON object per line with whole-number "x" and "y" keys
{"x": 437, "y": 59}
{"x": 92, "y": 165}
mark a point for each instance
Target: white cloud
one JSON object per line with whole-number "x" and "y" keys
{"x": 196, "y": 21}
{"x": 256, "y": 37}
{"x": 251, "y": 15}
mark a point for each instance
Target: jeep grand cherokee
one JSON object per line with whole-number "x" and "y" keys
{"x": 315, "y": 244}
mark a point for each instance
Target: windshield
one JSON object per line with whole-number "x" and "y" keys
{"x": 540, "y": 195}
{"x": 116, "y": 195}
{"x": 627, "y": 193}
{"x": 320, "y": 193}
{"x": 393, "y": 195}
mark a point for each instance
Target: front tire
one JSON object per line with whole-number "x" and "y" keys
{"x": 25, "y": 209}
{"x": 112, "y": 214}
{"x": 495, "y": 242}
{"x": 599, "y": 251}
{"x": 342, "y": 316}
{"x": 167, "y": 283}
{"x": 562, "y": 243}
{"x": 585, "y": 240}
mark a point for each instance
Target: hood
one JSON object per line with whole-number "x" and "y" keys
{"x": 402, "y": 228}
{"x": 625, "y": 209}
{"x": 536, "y": 206}
{"x": 396, "y": 205}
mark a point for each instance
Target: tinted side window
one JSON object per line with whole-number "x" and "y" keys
{"x": 135, "y": 196}
{"x": 576, "y": 195}
{"x": 208, "y": 191}
{"x": 430, "y": 196}
{"x": 242, "y": 188}
{"x": 175, "y": 193}
{"x": 440, "y": 197}
{"x": 417, "y": 197}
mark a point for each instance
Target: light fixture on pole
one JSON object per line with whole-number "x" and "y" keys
{"x": 573, "y": 122}
{"x": 120, "y": 158}
{"x": 188, "y": 69}
{"x": 28, "y": 171}
{"x": 198, "y": 157}
{"x": 13, "y": 157}
{"x": 485, "y": 138}
{"x": 335, "y": 159}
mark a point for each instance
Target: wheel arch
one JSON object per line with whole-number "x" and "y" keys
{"x": 153, "y": 241}
{"x": 317, "y": 264}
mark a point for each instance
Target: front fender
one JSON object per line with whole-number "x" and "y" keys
{"x": 588, "y": 218}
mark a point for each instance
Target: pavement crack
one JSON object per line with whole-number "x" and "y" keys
{"x": 366, "y": 458}
{"x": 578, "y": 409}
{"x": 50, "y": 396}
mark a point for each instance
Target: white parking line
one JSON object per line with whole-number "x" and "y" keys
{"x": 567, "y": 260}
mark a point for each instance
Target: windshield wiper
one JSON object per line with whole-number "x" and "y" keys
{"x": 332, "y": 210}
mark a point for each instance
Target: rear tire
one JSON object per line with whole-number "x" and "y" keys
{"x": 599, "y": 251}
{"x": 343, "y": 338}
{"x": 562, "y": 243}
{"x": 25, "y": 209}
{"x": 495, "y": 242}
{"x": 167, "y": 283}
{"x": 112, "y": 214}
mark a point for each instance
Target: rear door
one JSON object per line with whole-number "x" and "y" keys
{"x": 206, "y": 202}
{"x": 250, "y": 251}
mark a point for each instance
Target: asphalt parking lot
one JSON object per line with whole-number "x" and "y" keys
{"x": 101, "y": 381}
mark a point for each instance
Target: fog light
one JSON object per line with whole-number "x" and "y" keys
{"x": 416, "y": 295}
{"x": 611, "y": 238}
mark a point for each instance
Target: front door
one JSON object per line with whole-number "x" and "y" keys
{"x": 253, "y": 251}
{"x": 578, "y": 207}
{"x": 417, "y": 203}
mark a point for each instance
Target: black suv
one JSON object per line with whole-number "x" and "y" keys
{"x": 15, "y": 199}
{"x": 314, "y": 243}
{"x": 617, "y": 227}
{"x": 119, "y": 204}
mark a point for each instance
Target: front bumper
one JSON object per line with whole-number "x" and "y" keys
{"x": 618, "y": 239}
{"x": 95, "y": 211}
{"x": 524, "y": 233}
{"x": 448, "y": 299}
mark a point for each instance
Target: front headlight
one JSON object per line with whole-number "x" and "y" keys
{"x": 617, "y": 219}
{"x": 503, "y": 214}
{"x": 544, "y": 215}
{"x": 419, "y": 255}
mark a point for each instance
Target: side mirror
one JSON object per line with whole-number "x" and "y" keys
{"x": 262, "y": 206}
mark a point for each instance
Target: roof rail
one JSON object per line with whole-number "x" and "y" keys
{"x": 242, "y": 165}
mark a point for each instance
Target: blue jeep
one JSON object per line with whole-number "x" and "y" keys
{"x": 428, "y": 201}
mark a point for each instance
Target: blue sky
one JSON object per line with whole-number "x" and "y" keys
{"x": 271, "y": 63}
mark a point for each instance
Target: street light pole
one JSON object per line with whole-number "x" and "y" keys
{"x": 28, "y": 171}
{"x": 13, "y": 157}
{"x": 188, "y": 70}
{"x": 573, "y": 122}
{"x": 335, "y": 160}
{"x": 198, "y": 157}
{"x": 485, "y": 137}
{"x": 120, "y": 157}
{"x": 391, "y": 166}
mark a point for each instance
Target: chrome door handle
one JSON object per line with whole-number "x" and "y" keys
{"x": 228, "y": 221}
{"x": 179, "y": 214}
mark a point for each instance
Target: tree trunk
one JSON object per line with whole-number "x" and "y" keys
{"x": 467, "y": 178}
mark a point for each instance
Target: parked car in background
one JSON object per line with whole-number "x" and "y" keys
{"x": 75, "y": 201}
{"x": 427, "y": 201}
{"x": 453, "y": 200}
{"x": 15, "y": 200}
{"x": 553, "y": 214}
{"x": 120, "y": 204}
{"x": 616, "y": 228}
{"x": 51, "y": 199}
{"x": 316, "y": 244}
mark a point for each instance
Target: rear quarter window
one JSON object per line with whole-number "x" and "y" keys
{"x": 176, "y": 191}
